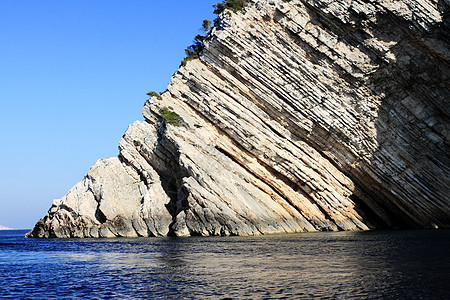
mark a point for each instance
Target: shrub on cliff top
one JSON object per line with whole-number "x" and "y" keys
{"x": 194, "y": 50}
{"x": 233, "y": 5}
{"x": 190, "y": 55}
{"x": 207, "y": 25}
{"x": 154, "y": 94}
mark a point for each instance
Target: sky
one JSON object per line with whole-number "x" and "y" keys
{"x": 73, "y": 76}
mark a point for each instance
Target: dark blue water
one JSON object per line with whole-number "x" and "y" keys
{"x": 342, "y": 265}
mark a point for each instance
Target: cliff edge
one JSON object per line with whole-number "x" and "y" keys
{"x": 299, "y": 115}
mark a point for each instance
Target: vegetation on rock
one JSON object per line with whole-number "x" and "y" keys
{"x": 194, "y": 50}
{"x": 154, "y": 94}
{"x": 172, "y": 117}
{"x": 233, "y": 5}
{"x": 190, "y": 55}
{"x": 207, "y": 26}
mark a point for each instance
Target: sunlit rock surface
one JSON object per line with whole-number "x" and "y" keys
{"x": 298, "y": 116}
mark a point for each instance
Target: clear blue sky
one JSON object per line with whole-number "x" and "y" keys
{"x": 73, "y": 75}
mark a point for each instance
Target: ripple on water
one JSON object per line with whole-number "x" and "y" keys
{"x": 343, "y": 265}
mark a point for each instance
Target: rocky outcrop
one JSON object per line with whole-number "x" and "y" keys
{"x": 298, "y": 116}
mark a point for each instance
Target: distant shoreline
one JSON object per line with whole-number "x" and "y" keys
{"x": 5, "y": 228}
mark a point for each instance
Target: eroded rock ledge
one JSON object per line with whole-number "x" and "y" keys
{"x": 298, "y": 116}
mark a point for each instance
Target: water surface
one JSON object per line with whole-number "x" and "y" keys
{"x": 328, "y": 265}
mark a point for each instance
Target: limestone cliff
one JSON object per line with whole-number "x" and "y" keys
{"x": 299, "y": 116}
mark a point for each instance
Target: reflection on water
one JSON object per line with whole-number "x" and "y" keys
{"x": 375, "y": 265}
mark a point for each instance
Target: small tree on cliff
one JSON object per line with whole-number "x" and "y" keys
{"x": 154, "y": 94}
{"x": 207, "y": 26}
{"x": 233, "y": 5}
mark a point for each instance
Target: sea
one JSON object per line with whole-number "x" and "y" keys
{"x": 322, "y": 265}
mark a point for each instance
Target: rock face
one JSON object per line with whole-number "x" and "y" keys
{"x": 298, "y": 116}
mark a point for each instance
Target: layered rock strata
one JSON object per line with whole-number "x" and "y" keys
{"x": 298, "y": 116}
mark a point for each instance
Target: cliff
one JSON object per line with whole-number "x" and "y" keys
{"x": 299, "y": 116}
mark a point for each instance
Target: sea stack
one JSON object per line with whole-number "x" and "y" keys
{"x": 302, "y": 115}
